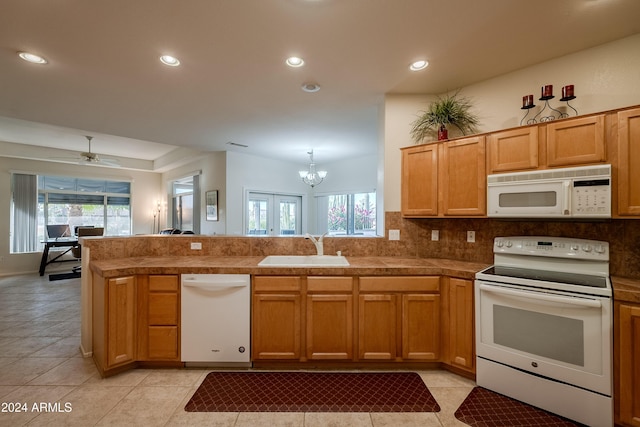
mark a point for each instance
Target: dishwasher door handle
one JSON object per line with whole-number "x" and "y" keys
{"x": 208, "y": 286}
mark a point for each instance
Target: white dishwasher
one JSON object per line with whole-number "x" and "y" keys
{"x": 215, "y": 319}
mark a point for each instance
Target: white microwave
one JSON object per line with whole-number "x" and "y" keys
{"x": 581, "y": 192}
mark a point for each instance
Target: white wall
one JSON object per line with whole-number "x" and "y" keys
{"x": 605, "y": 77}
{"x": 213, "y": 177}
{"x": 145, "y": 187}
{"x": 247, "y": 172}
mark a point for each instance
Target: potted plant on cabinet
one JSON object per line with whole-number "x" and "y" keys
{"x": 449, "y": 110}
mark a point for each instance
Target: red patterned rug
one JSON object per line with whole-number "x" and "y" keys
{"x": 312, "y": 392}
{"x": 484, "y": 408}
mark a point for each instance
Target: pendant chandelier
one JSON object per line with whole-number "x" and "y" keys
{"x": 312, "y": 177}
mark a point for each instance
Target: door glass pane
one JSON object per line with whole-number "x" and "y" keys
{"x": 554, "y": 337}
{"x": 186, "y": 212}
{"x": 288, "y": 217}
{"x": 257, "y": 216}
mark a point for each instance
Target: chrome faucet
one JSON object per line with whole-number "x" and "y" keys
{"x": 317, "y": 242}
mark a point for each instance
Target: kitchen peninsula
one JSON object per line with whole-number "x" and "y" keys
{"x": 418, "y": 296}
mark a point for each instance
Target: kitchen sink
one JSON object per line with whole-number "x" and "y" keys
{"x": 304, "y": 261}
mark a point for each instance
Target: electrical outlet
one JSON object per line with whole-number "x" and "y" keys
{"x": 196, "y": 246}
{"x": 394, "y": 234}
{"x": 435, "y": 235}
{"x": 471, "y": 236}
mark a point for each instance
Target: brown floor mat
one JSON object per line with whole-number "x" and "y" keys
{"x": 312, "y": 392}
{"x": 483, "y": 408}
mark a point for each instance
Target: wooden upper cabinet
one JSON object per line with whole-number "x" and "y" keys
{"x": 628, "y": 157}
{"x": 575, "y": 142}
{"x": 462, "y": 177}
{"x": 513, "y": 150}
{"x": 420, "y": 181}
{"x": 445, "y": 179}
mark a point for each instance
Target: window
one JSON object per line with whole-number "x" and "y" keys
{"x": 348, "y": 214}
{"x": 67, "y": 200}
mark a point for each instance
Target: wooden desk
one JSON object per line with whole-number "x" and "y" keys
{"x": 63, "y": 242}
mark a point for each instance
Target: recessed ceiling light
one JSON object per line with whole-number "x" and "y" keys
{"x": 170, "y": 60}
{"x": 294, "y": 61}
{"x": 310, "y": 87}
{"x": 30, "y": 57}
{"x": 418, "y": 65}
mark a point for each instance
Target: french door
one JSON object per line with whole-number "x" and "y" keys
{"x": 273, "y": 214}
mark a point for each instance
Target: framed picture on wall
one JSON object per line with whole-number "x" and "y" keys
{"x": 212, "y": 205}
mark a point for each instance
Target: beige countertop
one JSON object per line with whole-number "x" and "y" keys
{"x": 625, "y": 289}
{"x": 359, "y": 266}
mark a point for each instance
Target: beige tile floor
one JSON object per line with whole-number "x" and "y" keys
{"x": 40, "y": 364}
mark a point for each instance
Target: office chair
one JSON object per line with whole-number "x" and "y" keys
{"x": 170, "y": 231}
{"x": 81, "y": 232}
{"x": 76, "y": 251}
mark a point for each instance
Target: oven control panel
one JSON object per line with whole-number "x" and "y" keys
{"x": 557, "y": 247}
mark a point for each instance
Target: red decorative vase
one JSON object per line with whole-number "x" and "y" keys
{"x": 443, "y": 133}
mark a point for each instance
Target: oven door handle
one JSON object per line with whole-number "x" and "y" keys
{"x": 583, "y": 302}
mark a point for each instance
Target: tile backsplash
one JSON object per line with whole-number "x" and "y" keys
{"x": 623, "y": 236}
{"x": 415, "y": 241}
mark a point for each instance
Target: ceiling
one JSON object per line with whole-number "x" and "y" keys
{"x": 104, "y": 77}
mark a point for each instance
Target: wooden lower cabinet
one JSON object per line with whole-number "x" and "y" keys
{"x": 158, "y": 317}
{"x": 276, "y": 324}
{"x": 329, "y": 318}
{"x": 461, "y": 324}
{"x": 135, "y": 319}
{"x": 121, "y": 317}
{"x": 399, "y": 318}
{"x": 395, "y": 318}
{"x": 420, "y": 327}
{"x": 377, "y": 326}
{"x": 627, "y": 365}
{"x": 114, "y": 322}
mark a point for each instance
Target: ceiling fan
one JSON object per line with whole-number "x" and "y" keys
{"x": 89, "y": 157}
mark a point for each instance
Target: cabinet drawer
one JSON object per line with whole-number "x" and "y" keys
{"x": 166, "y": 283}
{"x": 163, "y": 309}
{"x": 400, "y": 284}
{"x": 276, "y": 283}
{"x": 330, "y": 284}
{"x": 163, "y": 342}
